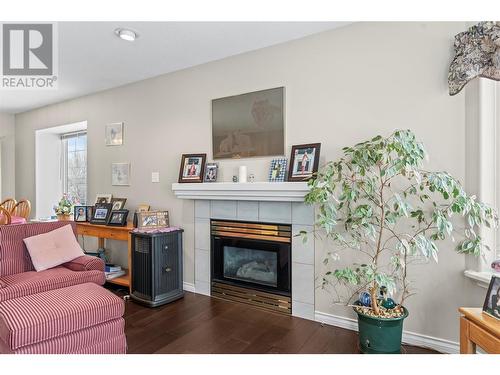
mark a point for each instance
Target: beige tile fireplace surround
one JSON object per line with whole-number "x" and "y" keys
{"x": 258, "y": 202}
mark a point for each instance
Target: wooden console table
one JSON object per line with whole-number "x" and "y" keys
{"x": 478, "y": 329}
{"x": 103, "y": 232}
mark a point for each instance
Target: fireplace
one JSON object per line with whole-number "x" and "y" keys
{"x": 251, "y": 263}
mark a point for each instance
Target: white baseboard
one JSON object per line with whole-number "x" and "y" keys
{"x": 188, "y": 287}
{"x": 411, "y": 338}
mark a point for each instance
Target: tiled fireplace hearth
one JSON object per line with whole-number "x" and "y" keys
{"x": 282, "y": 204}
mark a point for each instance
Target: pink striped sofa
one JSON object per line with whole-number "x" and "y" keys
{"x": 61, "y": 310}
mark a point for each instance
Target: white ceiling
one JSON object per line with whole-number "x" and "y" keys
{"x": 92, "y": 58}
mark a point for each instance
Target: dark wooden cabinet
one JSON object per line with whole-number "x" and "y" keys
{"x": 157, "y": 267}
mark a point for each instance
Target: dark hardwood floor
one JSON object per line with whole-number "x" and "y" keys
{"x": 201, "y": 324}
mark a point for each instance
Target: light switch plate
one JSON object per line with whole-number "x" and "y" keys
{"x": 155, "y": 177}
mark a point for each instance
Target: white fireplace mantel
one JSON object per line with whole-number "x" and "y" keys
{"x": 251, "y": 191}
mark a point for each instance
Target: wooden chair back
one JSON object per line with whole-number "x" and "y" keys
{"x": 8, "y": 204}
{"x": 4, "y": 216}
{"x": 22, "y": 209}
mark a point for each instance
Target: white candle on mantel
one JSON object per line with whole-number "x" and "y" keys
{"x": 242, "y": 173}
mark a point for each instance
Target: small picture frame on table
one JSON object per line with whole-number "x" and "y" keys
{"x": 101, "y": 213}
{"x": 192, "y": 168}
{"x": 118, "y": 203}
{"x": 103, "y": 198}
{"x": 152, "y": 220}
{"x": 277, "y": 170}
{"x": 118, "y": 218}
{"x": 304, "y": 161}
{"x": 80, "y": 214}
{"x": 147, "y": 220}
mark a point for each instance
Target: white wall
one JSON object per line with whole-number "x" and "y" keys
{"x": 342, "y": 87}
{"x": 7, "y": 167}
{"x": 48, "y": 172}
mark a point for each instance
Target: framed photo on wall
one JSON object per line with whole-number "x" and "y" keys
{"x": 192, "y": 167}
{"x": 304, "y": 161}
{"x": 120, "y": 174}
{"x": 114, "y": 134}
{"x": 249, "y": 125}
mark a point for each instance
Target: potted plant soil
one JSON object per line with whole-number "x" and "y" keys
{"x": 377, "y": 202}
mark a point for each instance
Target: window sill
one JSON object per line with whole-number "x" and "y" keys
{"x": 481, "y": 278}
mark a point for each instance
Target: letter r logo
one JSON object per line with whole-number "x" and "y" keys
{"x": 27, "y": 49}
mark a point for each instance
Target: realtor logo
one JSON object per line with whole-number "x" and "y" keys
{"x": 28, "y": 56}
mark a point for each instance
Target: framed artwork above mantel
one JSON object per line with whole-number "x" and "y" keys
{"x": 249, "y": 125}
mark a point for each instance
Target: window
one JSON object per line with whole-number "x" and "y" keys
{"x": 482, "y": 155}
{"x": 74, "y": 165}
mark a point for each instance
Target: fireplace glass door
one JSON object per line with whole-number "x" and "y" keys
{"x": 259, "y": 263}
{"x": 251, "y": 265}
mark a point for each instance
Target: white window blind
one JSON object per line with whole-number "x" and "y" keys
{"x": 74, "y": 165}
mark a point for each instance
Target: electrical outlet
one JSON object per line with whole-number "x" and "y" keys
{"x": 155, "y": 177}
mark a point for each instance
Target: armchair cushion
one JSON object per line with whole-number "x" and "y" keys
{"x": 26, "y": 283}
{"x": 53, "y": 248}
{"x": 85, "y": 263}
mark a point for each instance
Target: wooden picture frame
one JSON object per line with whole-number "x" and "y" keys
{"x": 303, "y": 170}
{"x": 118, "y": 218}
{"x": 192, "y": 168}
{"x": 101, "y": 213}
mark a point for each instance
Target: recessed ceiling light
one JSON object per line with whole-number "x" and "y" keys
{"x": 126, "y": 34}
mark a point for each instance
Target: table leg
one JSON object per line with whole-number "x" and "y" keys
{"x": 466, "y": 345}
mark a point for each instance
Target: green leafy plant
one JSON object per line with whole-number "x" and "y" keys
{"x": 377, "y": 201}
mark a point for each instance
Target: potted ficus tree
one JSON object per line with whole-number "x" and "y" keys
{"x": 377, "y": 202}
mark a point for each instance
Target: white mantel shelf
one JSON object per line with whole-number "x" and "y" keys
{"x": 251, "y": 191}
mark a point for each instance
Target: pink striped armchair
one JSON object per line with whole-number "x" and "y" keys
{"x": 61, "y": 310}
{"x": 18, "y": 276}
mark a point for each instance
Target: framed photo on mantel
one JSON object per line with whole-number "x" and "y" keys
{"x": 192, "y": 167}
{"x": 304, "y": 161}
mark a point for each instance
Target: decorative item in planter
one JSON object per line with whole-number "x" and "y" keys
{"x": 114, "y": 134}
{"x": 304, "y": 161}
{"x": 103, "y": 198}
{"x": 375, "y": 199}
{"x": 118, "y": 218}
{"x": 101, "y": 213}
{"x": 118, "y": 203}
{"x": 192, "y": 167}
{"x": 277, "y": 170}
{"x": 64, "y": 209}
{"x": 120, "y": 174}
{"x": 81, "y": 214}
{"x": 211, "y": 172}
{"x": 492, "y": 301}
